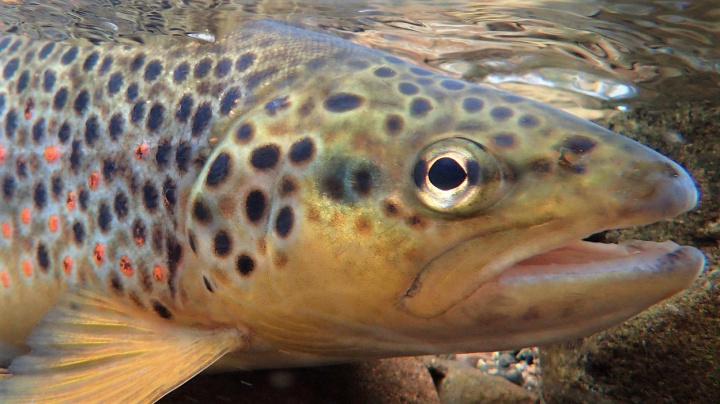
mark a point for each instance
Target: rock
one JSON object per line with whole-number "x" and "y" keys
{"x": 396, "y": 381}
{"x": 514, "y": 376}
{"x": 669, "y": 353}
{"x": 506, "y": 360}
{"x": 459, "y": 384}
{"x": 527, "y": 355}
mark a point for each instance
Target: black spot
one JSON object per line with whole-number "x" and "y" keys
{"x": 138, "y": 112}
{"x": 15, "y": 45}
{"x": 40, "y": 196}
{"x": 256, "y": 78}
{"x": 116, "y": 126}
{"x": 11, "y": 123}
{"x": 49, "y": 80}
{"x": 120, "y": 204}
{"x": 46, "y": 50}
{"x": 2, "y": 102}
{"x": 200, "y": 212}
{"x": 244, "y": 62}
{"x": 174, "y": 254}
{"x": 244, "y": 133}
{"x": 420, "y": 106}
{"x": 161, "y": 310}
{"x": 191, "y": 241}
{"x": 23, "y": 81}
{"x": 302, "y": 150}
{"x": 201, "y": 119}
{"x": 504, "y": 140}
{"x": 43, "y": 257}
{"x": 333, "y": 187}
{"x": 315, "y": 64}
{"x": 265, "y": 157}
{"x": 38, "y": 130}
{"x": 278, "y": 104}
{"x": 384, "y": 72}
{"x": 342, "y": 102}
{"x": 60, "y": 99}
{"x": 64, "y": 133}
{"x": 207, "y": 284}
{"x": 4, "y": 43}
{"x": 91, "y": 130}
{"x": 105, "y": 65}
{"x": 83, "y": 197}
{"x": 108, "y": 169}
{"x": 181, "y": 72}
{"x": 446, "y": 174}
{"x": 394, "y": 124}
{"x": 132, "y": 92}
{"x": 78, "y": 232}
{"x": 202, "y": 68}
{"x": 408, "y": 88}
{"x": 472, "y": 104}
{"x": 56, "y": 186}
{"x": 419, "y": 173}
{"x": 162, "y": 156}
{"x": 75, "y": 155}
{"x": 391, "y": 208}
{"x": 222, "y": 244}
{"x": 182, "y": 156}
{"x": 115, "y": 83}
{"x": 139, "y": 231}
{"x": 219, "y": 169}
{"x": 512, "y": 98}
{"x": 287, "y": 186}
{"x": 169, "y": 193}
{"x": 452, "y": 85}
{"x": 155, "y": 117}
{"x": 10, "y": 68}
{"x": 255, "y": 205}
{"x": 284, "y": 221}
{"x": 91, "y": 61}
{"x": 104, "y": 217}
{"x": 184, "y": 108}
{"x": 138, "y": 62}
{"x": 245, "y": 265}
{"x": 69, "y": 56}
{"x": 8, "y": 187}
{"x": 81, "y": 102}
{"x": 21, "y": 167}
{"x": 541, "y": 166}
{"x": 362, "y": 183}
{"x": 501, "y": 113}
{"x": 157, "y": 239}
{"x": 150, "y": 196}
{"x": 420, "y": 71}
{"x": 115, "y": 282}
{"x": 578, "y": 144}
{"x": 153, "y": 70}
{"x": 230, "y": 100}
{"x": 528, "y": 121}
{"x": 223, "y": 67}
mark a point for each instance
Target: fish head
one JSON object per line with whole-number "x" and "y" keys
{"x": 372, "y": 217}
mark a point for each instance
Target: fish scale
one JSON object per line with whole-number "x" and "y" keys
{"x": 282, "y": 197}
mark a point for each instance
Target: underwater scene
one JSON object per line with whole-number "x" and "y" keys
{"x": 385, "y": 201}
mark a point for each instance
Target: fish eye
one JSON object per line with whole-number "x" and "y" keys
{"x": 459, "y": 176}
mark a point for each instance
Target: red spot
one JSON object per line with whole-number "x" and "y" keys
{"x": 27, "y": 268}
{"x": 6, "y": 230}
{"x": 29, "y": 107}
{"x": 141, "y": 151}
{"x": 2, "y": 154}
{"x": 67, "y": 265}
{"x": 70, "y": 201}
{"x": 53, "y": 223}
{"x": 93, "y": 180}
{"x": 159, "y": 273}
{"x": 99, "y": 253}
{"x": 4, "y": 278}
{"x": 126, "y": 266}
{"x": 25, "y": 215}
{"x": 52, "y": 153}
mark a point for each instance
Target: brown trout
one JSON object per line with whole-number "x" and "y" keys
{"x": 281, "y": 197}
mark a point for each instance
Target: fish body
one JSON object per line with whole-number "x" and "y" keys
{"x": 290, "y": 198}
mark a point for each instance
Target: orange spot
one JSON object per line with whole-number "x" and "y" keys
{"x": 159, "y": 273}
{"x": 4, "y": 278}
{"x": 2, "y": 154}
{"x": 53, "y": 223}
{"x": 25, "y": 215}
{"x": 27, "y": 268}
{"x": 93, "y": 180}
{"x": 52, "y": 153}
{"x": 6, "y": 230}
{"x": 99, "y": 253}
{"x": 67, "y": 265}
{"x": 126, "y": 266}
{"x": 70, "y": 200}
{"x": 29, "y": 107}
{"x": 141, "y": 151}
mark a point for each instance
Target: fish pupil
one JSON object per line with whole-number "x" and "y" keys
{"x": 446, "y": 174}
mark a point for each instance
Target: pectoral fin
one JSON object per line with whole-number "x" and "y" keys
{"x": 90, "y": 348}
